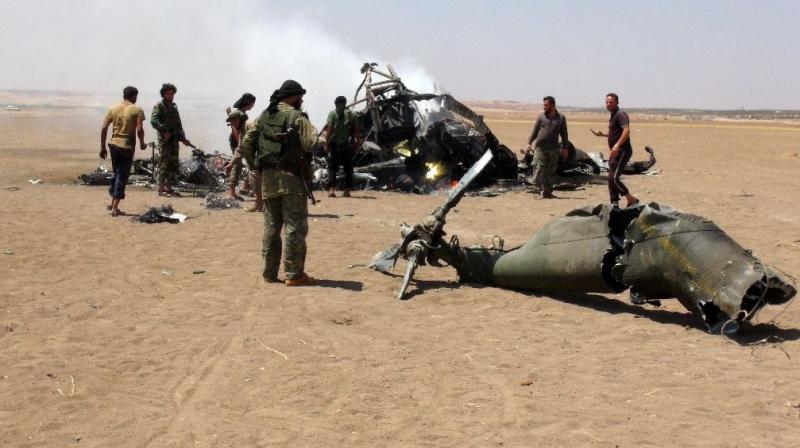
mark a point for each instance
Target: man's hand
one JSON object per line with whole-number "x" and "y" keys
{"x": 597, "y": 133}
{"x": 564, "y": 153}
{"x": 613, "y": 153}
{"x": 103, "y": 152}
{"x": 142, "y": 146}
{"x": 166, "y": 135}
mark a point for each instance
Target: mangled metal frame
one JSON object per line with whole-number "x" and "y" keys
{"x": 651, "y": 250}
{"x": 419, "y": 141}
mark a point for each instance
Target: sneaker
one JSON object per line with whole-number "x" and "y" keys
{"x": 303, "y": 280}
{"x": 272, "y": 280}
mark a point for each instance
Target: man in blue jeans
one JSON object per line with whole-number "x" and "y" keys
{"x": 127, "y": 119}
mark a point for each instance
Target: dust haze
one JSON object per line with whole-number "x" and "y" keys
{"x": 213, "y": 52}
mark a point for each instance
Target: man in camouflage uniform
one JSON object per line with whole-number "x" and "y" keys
{"x": 266, "y": 147}
{"x": 237, "y": 120}
{"x": 167, "y": 122}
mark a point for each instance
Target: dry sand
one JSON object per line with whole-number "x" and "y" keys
{"x": 108, "y": 339}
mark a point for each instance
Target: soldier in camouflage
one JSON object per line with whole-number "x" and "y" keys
{"x": 166, "y": 120}
{"x": 282, "y": 188}
{"x": 237, "y": 120}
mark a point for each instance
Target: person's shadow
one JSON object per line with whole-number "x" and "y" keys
{"x": 341, "y": 284}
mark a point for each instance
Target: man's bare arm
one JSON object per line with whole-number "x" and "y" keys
{"x": 235, "y": 130}
{"x": 598, "y": 133}
{"x": 626, "y": 132}
{"x": 140, "y": 132}
{"x": 103, "y": 136}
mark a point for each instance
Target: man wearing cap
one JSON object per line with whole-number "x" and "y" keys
{"x": 266, "y": 147}
{"x": 126, "y": 118}
{"x": 342, "y": 137}
{"x": 167, "y": 122}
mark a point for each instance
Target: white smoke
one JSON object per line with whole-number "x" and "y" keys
{"x": 213, "y": 51}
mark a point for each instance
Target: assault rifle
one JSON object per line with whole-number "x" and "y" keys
{"x": 300, "y": 160}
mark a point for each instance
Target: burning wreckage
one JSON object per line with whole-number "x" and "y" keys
{"x": 421, "y": 142}
{"x": 651, "y": 250}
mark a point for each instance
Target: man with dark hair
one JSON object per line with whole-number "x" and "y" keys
{"x": 126, "y": 118}
{"x": 237, "y": 120}
{"x": 548, "y": 127}
{"x": 619, "y": 143}
{"x": 342, "y": 137}
{"x": 266, "y": 146}
{"x": 167, "y": 122}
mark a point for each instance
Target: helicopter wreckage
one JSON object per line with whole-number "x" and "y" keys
{"x": 412, "y": 142}
{"x": 420, "y": 142}
{"x": 651, "y": 250}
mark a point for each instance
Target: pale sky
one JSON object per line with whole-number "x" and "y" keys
{"x": 710, "y": 54}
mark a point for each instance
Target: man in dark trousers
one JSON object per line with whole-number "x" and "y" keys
{"x": 619, "y": 143}
{"x": 548, "y": 127}
{"x": 126, "y": 118}
{"x": 342, "y": 136}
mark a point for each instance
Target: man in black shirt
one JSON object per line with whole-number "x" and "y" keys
{"x": 619, "y": 143}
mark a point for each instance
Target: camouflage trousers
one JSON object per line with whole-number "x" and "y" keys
{"x": 168, "y": 164}
{"x": 236, "y": 167}
{"x": 289, "y": 211}
{"x": 545, "y": 162}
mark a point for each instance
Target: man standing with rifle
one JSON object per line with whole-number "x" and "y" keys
{"x": 166, "y": 120}
{"x": 278, "y": 145}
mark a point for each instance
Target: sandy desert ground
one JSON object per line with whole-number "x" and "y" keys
{"x": 109, "y": 339}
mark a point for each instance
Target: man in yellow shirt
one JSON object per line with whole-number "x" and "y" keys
{"x": 126, "y": 118}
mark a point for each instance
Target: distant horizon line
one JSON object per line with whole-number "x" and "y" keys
{"x": 478, "y": 103}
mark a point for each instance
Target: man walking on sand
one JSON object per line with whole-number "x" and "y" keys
{"x": 619, "y": 142}
{"x": 126, "y": 118}
{"x": 548, "y": 127}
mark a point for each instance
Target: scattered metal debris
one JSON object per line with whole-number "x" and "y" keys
{"x": 201, "y": 174}
{"x": 417, "y": 142}
{"x": 652, "y": 250}
{"x": 214, "y": 201}
{"x": 165, "y": 213}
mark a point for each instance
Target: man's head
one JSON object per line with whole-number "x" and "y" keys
{"x": 340, "y": 103}
{"x": 612, "y": 102}
{"x": 246, "y": 102}
{"x": 168, "y": 92}
{"x": 291, "y": 93}
{"x": 548, "y": 104}
{"x": 130, "y": 93}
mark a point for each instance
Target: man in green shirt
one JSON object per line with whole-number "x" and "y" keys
{"x": 167, "y": 122}
{"x": 342, "y": 137}
{"x": 283, "y": 191}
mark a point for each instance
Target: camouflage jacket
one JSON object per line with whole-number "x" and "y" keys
{"x": 276, "y": 182}
{"x": 165, "y": 118}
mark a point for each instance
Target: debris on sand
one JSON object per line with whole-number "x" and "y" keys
{"x": 215, "y": 202}
{"x": 165, "y": 213}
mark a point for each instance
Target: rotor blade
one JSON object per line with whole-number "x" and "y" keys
{"x": 457, "y": 192}
{"x": 413, "y": 262}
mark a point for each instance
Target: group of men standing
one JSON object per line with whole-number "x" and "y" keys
{"x": 127, "y": 120}
{"x": 278, "y": 184}
{"x": 280, "y": 188}
{"x": 551, "y": 124}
